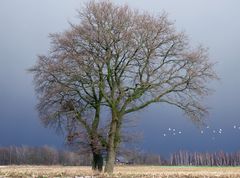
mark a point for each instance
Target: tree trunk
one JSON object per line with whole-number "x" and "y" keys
{"x": 111, "y": 155}
{"x": 111, "y": 147}
{"x": 97, "y": 163}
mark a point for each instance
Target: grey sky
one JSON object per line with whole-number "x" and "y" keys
{"x": 24, "y": 30}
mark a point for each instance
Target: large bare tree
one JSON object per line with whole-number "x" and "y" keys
{"x": 124, "y": 60}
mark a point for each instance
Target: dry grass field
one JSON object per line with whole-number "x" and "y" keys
{"x": 120, "y": 171}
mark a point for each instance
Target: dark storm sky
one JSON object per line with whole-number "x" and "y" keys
{"x": 24, "y": 29}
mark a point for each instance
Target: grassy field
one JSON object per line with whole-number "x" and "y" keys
{"x": 120, "y": 171}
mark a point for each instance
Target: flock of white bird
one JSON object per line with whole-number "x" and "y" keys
{"x": 213, "y": 132}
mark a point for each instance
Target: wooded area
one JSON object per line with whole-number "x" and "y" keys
{"x": 205, "y": 159}
{"x": 46, "y": 155}
{"x": 41, "y": 156}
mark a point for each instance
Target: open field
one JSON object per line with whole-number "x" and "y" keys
{"x": 120, "y": 171}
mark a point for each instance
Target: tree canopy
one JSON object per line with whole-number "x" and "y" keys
{"x": 124, "y": 60}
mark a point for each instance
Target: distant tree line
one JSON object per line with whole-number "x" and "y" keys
{"x": 186, "y": 158}
{"x": 41, "y": 156}
{"x": 47, "y": 155}
{"x": 205, "y": 159}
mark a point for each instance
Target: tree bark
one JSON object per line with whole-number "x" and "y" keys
{"x": 111, "y": 147}
{"x": 97, "y": 163}
{"x": 111, "y": 155}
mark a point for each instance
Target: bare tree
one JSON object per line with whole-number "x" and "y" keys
{"x": 142, "y": 60}
{"x": 124, "y": 60}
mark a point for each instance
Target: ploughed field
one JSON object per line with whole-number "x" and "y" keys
{"x": 120, "y": 171}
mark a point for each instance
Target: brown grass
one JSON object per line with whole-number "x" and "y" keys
{"x": 120, "y": 171}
